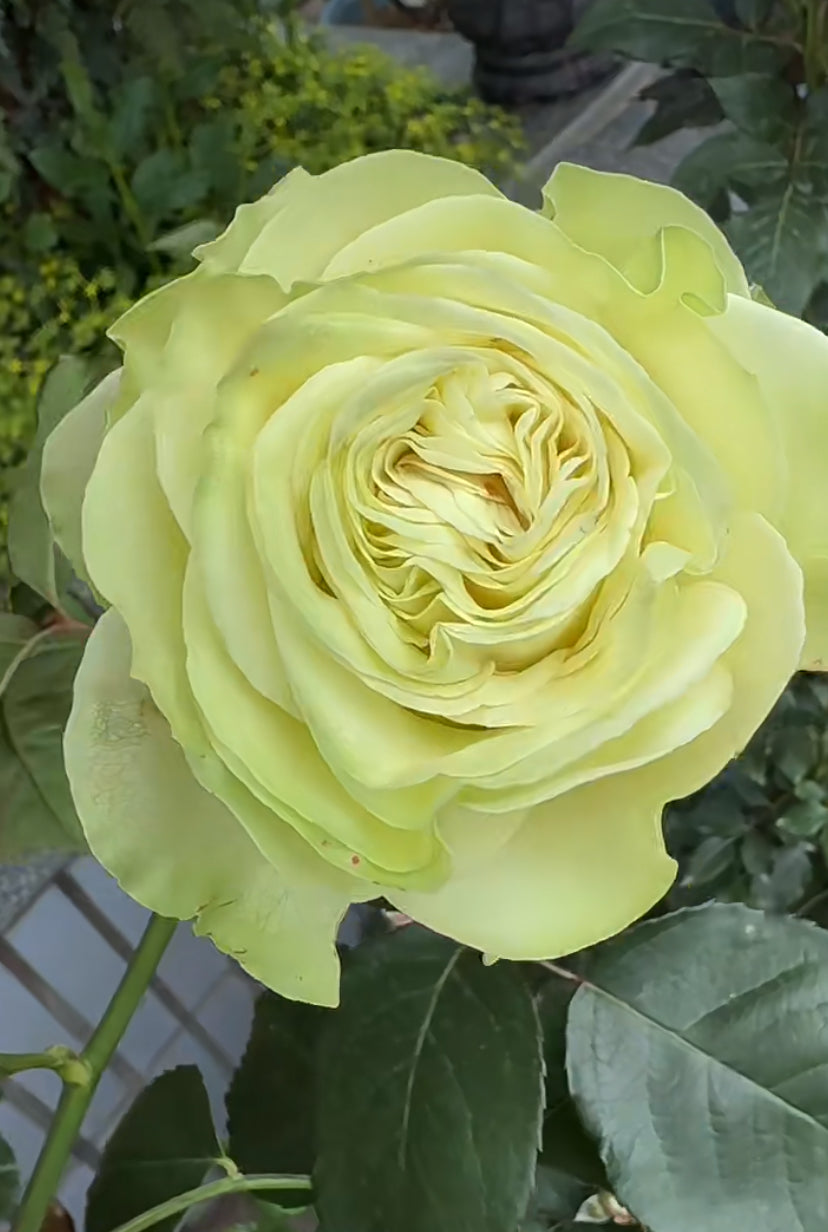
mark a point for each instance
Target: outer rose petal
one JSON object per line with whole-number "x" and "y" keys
{"x": 588, "y": 863}
{"x": 69, "y": 457}
{"x": 136, "y": 557}
{"x": 580, "y": 868}
{"x": 221, "y": 314}
{"x": 613, "y": 215}
{"x": 226, "y": 253}
{"x": 177, "y": 850}
{"x": 790, "y": 359}
{"x": 318, "y": 215}
{"x": 661, "y": 327}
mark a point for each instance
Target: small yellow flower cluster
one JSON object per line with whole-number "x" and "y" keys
{"x": 309, "y": 105}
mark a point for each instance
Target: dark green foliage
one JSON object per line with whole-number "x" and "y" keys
{"x": 37, "y": 669}
{"x": 430, "y": 1092}
{"x": 761, "y": 67}
{"x": 9, "y": 1180}
{"x": 164, "y": 1145}
{"x": 271, "y": 1102}
{"x": 696, "y": 1053}
{"x": 756, "y": 833}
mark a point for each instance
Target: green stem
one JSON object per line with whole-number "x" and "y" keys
{"x": 75, "y": 1100}
{"x": 23, "y": 653}
{"x": 64, "y": 1061}
{"x": 16, "y": 1062}
{"x": 133, "y": 210}
{"x": 206, "y": 1193}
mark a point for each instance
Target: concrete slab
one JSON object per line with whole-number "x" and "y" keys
{"x": 448, "y": 56}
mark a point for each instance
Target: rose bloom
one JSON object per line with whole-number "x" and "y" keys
{"x": 443, "y": 543}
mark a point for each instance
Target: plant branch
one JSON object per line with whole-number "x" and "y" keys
{"x": 71, "y": 1110}
{"x": 206, "y": 1193}
{"x": 64, "y": 1061}
{"x": 562, "y": 972}
{"x": 27, "y": 649}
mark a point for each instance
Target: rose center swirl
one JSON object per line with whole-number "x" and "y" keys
{"x": 481, "y": 517}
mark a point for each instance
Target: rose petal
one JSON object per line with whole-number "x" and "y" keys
{"x": 177, "y": 850}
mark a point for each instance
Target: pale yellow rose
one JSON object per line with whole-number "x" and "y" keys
{"x": 445, "y": 542}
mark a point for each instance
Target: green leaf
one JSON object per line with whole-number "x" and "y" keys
{"x": 9, "y": 1181}
{"x": 760, "y": 105}
{"x": 683, "y": 100}
{"x": 810, "y": 166}
{"x": 39, "y": 233}
{"x": 163, "y": 183}
{"x": 265, "y": 1217}
{"x": 697, "y": 1053}
{"x": 154, "y": 29}
{"x": 757, "y": 853}
{"x": 681, "y": 33}
{"x": 785, "y": 885}
{"x": 78, "y": 83}
{"x": 805, "y": 819}
{"x": 83, "y": 179}
{"x": 717, "y": 815}
{"x": 753, "y": 13}
{"x": 779, "y": 240}
{"x": 572, "y": 1168}
{"x": 270, "y": 1102}
{"x": 163, "y": 1146}
{"x": 37, "y": 671}
{"x": 795, "y": 752}
{"x": 430, "y": 1092}
{"x": 34, "y": 557}
{"x": 729, "y": 159}
{"x": 182, "y": 241}
{"x": 713, "y": 857}
{"x": 134, "y": 105}
{"x": 9, "y": 164}
{"x": 214, "y": 154}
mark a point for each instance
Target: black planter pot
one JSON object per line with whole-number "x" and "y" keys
{"x": 519, "y": 49}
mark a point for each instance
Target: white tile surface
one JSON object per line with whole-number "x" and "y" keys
{"x": 127, "y": 915}
{"x": 23, "y": 1137}
{"x": 191, "y": 965}
{"x": 108, "y": 1097}
{"x": 42, "y": 1083}
{"x": 69, "y": 953}
{"x": 228, "y": 1012}
{"x": 73, "y": 1192}
{"x": 149, "y": 1032}
{"x": 185, "y": 1051}
{"x": 25, "y": 1026}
